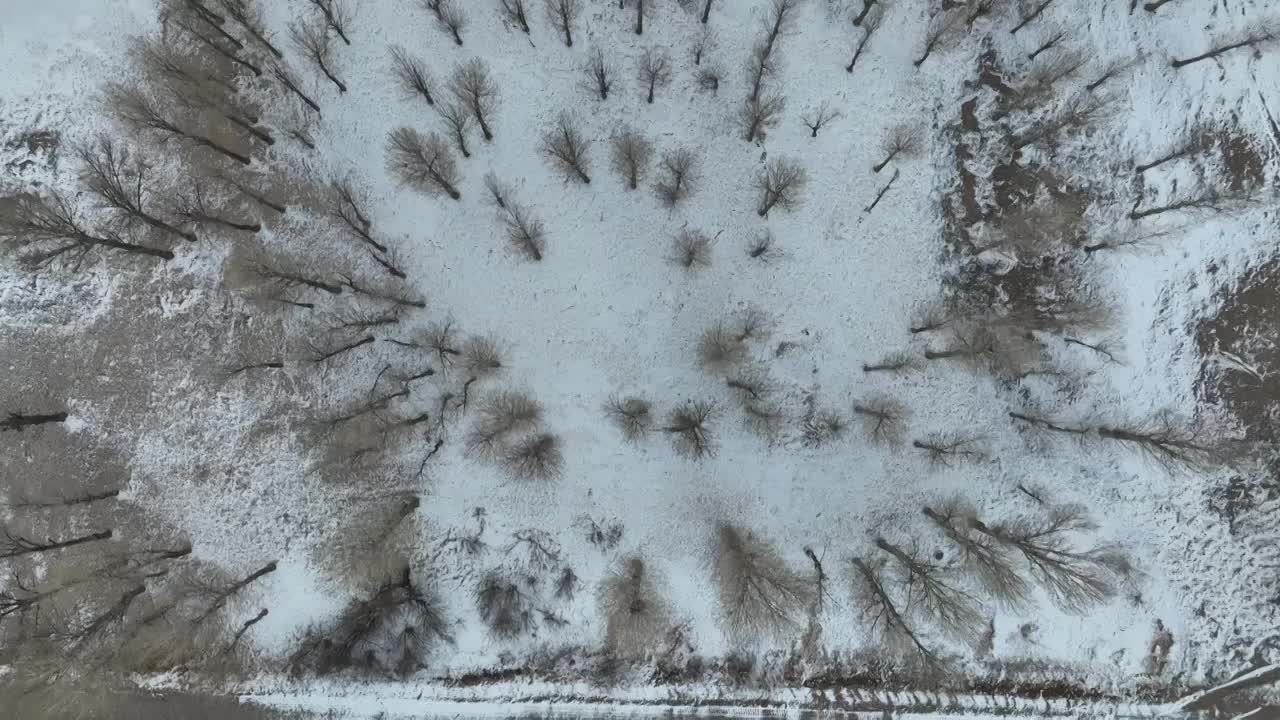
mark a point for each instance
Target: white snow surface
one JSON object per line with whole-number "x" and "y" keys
{"x": 607, "y": 313}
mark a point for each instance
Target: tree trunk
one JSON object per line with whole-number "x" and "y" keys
{"x": 131, "y": 248}
{"x": 706, "y": 12}
{"x": 639, "y": 17}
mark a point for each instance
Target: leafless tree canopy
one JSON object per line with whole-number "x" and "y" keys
{"x": 412, "y": 74}
{"x": 500, "y": 416}
{"x": 566, "y": 146}
{"x": 504, "y": 605}
{"x": 690, "y": 429}
{"x": 636, "y": 617}
{"x": 691, "y": 249}
{"x": 138, "y": 109}
{"x": 122, "y": 183}
{"x": 534, "y": 458}
{"x": 883, "y": 419}
{"x": 679, "y": 176}
{"x": 902, "y": 141}
{"x": 392, "y": 631}
{"x": 933, "y": 594}
{"x": 563, "y": 14}
{"x": 881, "y": 613}
{"x": 779, "y": 185}
{"x": 632, "y": 415}
{"x": 457, "y": 118}
{"x": 44, "y": 232}
{"x": 630, "y": 153}
{"x": 516, "y": 12}
{"x": 337, "y": 16}
{"x": 475, "y": 89}
{"x": 1076, "y": 579}
{"x": 422, "y": 162}
{"x": 599, "y": 74}
{"x": 312, "y": 40}
{"x": 948, "y": 449}
{"x": 448, "y": 15}
{"x": 758, "y": 594}
{"x": 655, "y": 71}
{"x": 760, "y": 114}
{"x": 988, "y": 561}
{"x": 816, "y": 118}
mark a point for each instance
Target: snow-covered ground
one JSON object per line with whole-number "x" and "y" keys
{"x": 607, "y": 313}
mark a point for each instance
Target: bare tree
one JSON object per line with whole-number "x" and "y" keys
{"x": 763, "y": 247}
{"x": 1052, "y": 39}
{"x": 122, "y": 183}
{"x": 1210, "y": 199}
{"x": 422, "y": 162}
{"x": 475, "y": 89}
{"x": 883, "y": 191}
{"x": 136, "y": 108}
{"x": 680, "y": 176}
{"x": 504, "y": 606}
{"x": 412, "y": 74}
{"x": 393, "y": 631}
{"x": 346, "y": 204}
{"x": 1171, "y": 443}
{"x": 448, "y": 15}
{"x": 183, "y": 15}
{"x": 720, "y": 348}
{"x": 883, "y": 418}
{"x": 599, "y": 74}
{"x": 947, "y": 449}
{"x": 630, "y": 152}
{"x": 313, "y": 40}
{"x": 986, "y": 560}
{"x": 655, "y": 70}
{"x": 1031, "y": 16}
{"x": 563, "y": 13}
{"x": 246, "y": 16}
{"x": 870, "y": 24}
{"x": 690, "y": 429}
{"x": 286, "y": 79}
{"x": 458, "y": 119}
{"x": 48, "y": 231}
{"x": 708, "y": 78}
{"x": 940, "y": 600}
{"x": 757, "y": 116}
{"x": 337, "y": 16}
{"x": 567, "y": 147}
{"x": 482, "y": 355}
{"x": 759, "y": 595}
{"x": 779, "y": 185}
{"x": 1076, "y": 579}
{"x": 779, "y": 20}
{"x": 1264, "y": 35}
{"x": 815, "y": 118}
{"x": 500, "y": 416}
{"x": 895, "y": 362}
{"x": 536, "y": 457}
{"x": 1076, "y": 113}
{"x": 516, "y": 12}
{"x": 525, "y": 231}
{"x": 636, "y": 616}
{"x": 631, "y": 414}
{"x": 881, "y": 613}
{"x": 691, "y": 249}
{"x": 942, "y": 28}
{"x": 195, "y": 206}
{"x": 760, "y": 66}
{"x": 704, "y": 42}
{"x": 902, "y": 140}
{"x": 822, "y": 427}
